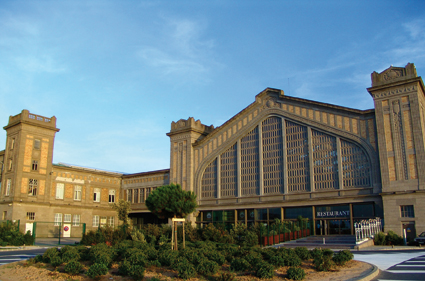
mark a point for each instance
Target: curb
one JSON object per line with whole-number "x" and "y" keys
{"x": 369, "y": 275}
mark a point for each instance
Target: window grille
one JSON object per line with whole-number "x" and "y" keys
{"x": 129, "y": 195}
{"x": 30, "y": 216}
{"x": 209, "y": 181}
{"x": 297, "y": 157}
{"x": 111, "y": 222}
{"x": 228, "y": 172}
{"x": 250, "y": 164}
{"x": 60, "y": 190}
{"x": 67, "y": 218}
{"x": 148, "y": 192}
{"x": 58, "y": 219}
{"x": 95, "y": 221}
{"x": 272, "y": 155}
{"x": 355, "y": 165}
{"x": 111, "y": 196}
{"x": 32, "y": 187}
{"x": 8, "y": 186}
{"x": 76, "y": 220}
{"x": 34, "y": 166}
{"x": 407, "y": 211}
{"x": 96, "y": 195}
{"x": 142, "y": 195}
{"x": 325, "y": 161}
{"x": 77, "y": 192}
{"x": 136, "y": 195}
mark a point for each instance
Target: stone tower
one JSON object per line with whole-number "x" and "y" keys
{"x": 399, "y": 99}
{"x": 28, "y": 161}
{"x": 183, "y": 134}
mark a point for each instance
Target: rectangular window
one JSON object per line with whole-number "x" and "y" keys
{"x": 4, "y": 215}
{"x": 102, "y": 221}
{"x": 59, "y": 190}
{"x": 37, "y": 144}
{"x": 67, "y": 218}
{"x": 8, "y": 185}
{"x": 77, "y": 192}
{"x": 76, "y": 220}
{"x": 30, "y": 216}
{"x": 111, "y": 221}
{"x": 95, "y": 221}
{"x": 10, "y": 164}
{"x": 129, "y": 195}
{"x": 96, "y": 195}
{"x": 32, "y": 187}
{"x": 407, "y": 211}
{"x": 111, "y": 195}
{"x": 136, "y": 196}
{"x": 58, "y": 219}
{"x": 34, "y": 166}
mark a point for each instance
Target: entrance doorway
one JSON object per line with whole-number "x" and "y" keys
{"x": 333, "y": 227}
{"x": 410, "y": 230}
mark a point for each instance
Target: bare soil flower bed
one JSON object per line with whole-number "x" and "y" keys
{"x": 23, "y": 271}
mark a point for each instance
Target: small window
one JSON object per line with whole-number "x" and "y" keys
{"x": 407, "y": 211}
{"x": 10, "y": 164}
{"x": 103, "y": 221}
{"x": 37, "y": 144}
{"x": 96, "y": 195}
{"x": 67, "y": 218}
{"x": 136, "y": 196}
{"x": 58, "y": 219}
{"x": 76, "y": 220}
{"x": 59, "y": 190}
{"x": 30, "y": 216}
{"x": 77, "y": 192}
{"x": 32, "y": 187}
{"x": 95, "y": 221}
{"x": 111, "y": 221}
{"x": 111, "y": 195}
{"x": 8, "y": 186}
{"x": 4, "y": 216}
{"x": 34, "y": 165}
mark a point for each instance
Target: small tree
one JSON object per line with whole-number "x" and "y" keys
{"x": 170, "y": 201}
{"x": 123, "y": 208}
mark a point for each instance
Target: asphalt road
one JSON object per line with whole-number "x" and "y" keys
{"x": 396, "y": 265}
{"x": 17, "y": 255}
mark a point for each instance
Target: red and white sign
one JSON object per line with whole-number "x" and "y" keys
{"x": 66, "y": 228}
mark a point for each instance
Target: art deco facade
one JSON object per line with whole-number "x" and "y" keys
{"x": 280, "y": 157}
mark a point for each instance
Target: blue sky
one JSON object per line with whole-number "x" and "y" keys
{"x": 117, "y": 73}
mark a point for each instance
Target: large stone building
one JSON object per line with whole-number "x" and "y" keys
{"x": 280, "y": 157}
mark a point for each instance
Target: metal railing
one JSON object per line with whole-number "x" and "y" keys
{"x": 367, "y": 228}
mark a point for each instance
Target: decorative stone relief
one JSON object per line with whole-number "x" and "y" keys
{"x": 400, "y": 146}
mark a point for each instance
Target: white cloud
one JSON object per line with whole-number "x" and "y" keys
{"x": 43, "y": 63}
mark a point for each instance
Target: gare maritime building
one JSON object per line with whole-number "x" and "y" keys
{"x": 278, "y": 158}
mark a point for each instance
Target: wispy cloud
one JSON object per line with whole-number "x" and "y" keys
{"x": 43, "y": 63}
{"x": 180, "y": 48}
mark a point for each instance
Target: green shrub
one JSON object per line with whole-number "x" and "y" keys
{"x": 10, "y": 235}
{"x": 323, "y": 261}
{"x": 296, "y": 273}
{"x": 226, "y": 276}
{"x": 207, "y": 267}
{"x": 211, "y": 233}
{"x": 394, "y": 239}
{"x": 38, "y": 258}
{"x": 379, "y": 239}
{"x": 242, "y": 236}
{"x": 167, "y": 257}
{"x": 216, "y": 257}
{"x": 342, "y": 257}
{"x": 315, "y": 253}
{"x": 302, "y": 253}
{"x": 97, "y": 270}
{"x": 49, "y": 254}
{"x": 253, "y": 258}
{"x": 124, "y": 268}
{"x": 137, "y": 272}
{"x": 185, "y": 269}
{"x": 102, "y": 254}
{"x": 277, "y": 261}
{"x": 55, "y": 261}
{"x": 69, "y": 253}
{"x": 264, "y": 270}
{"x": 240, "y": 264}
{"x": 73, "y": 267}
{"x": 136, "y": 257}
{"x": 154, "y": 263}
{"x": 291, "y": 258}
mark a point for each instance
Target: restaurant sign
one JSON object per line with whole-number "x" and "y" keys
{"x": 332, "y": 212}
